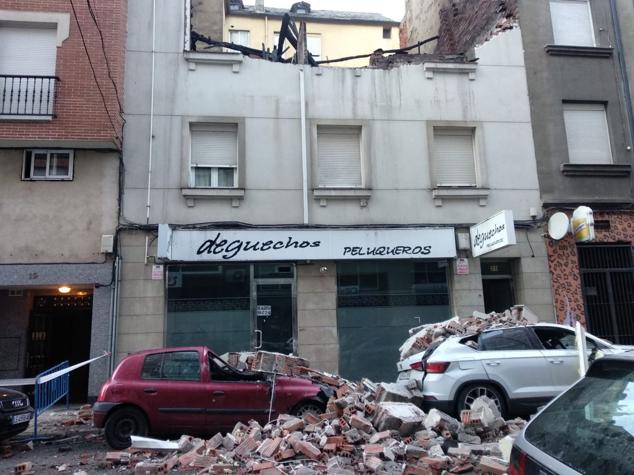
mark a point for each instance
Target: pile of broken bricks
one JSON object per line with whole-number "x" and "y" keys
{"x": 423, "y": 336}
{"x": 365, "y": 429}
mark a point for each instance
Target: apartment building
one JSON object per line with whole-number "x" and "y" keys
{"x": 578, "y": 60}
{"x": 61, "y": 76}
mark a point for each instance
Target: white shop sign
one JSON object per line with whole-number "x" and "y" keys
{"x": 301, "y": 244}
{"x": 493, "y": 233}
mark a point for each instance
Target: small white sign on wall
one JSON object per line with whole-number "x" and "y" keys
{"x": 493, "y": 233}
{"x": 157, "y": 272}
{"x": 462, "y": 266}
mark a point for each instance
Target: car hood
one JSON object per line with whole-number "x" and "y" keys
{"x": 9, "y": 394}
{"x": 623, "y": 347}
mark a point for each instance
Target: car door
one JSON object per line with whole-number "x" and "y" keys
{"x": 561, "y": 353}
{"x": 173, "y": 392}
{"x": 235, "y": 396}
{"x": 512, "y": 358}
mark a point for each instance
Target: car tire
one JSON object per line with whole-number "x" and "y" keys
{"x": 123, "y": 423}
{"x": 471, "y": 392}
{"x": 308, "y": 408}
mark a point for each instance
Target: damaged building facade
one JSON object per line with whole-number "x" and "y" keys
{"x": 578, "y": 59}
{"x": 318, "y": 210}
{"x": 60, "y": 145}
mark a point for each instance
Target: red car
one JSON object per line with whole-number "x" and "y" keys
{"x": 191, "y": 390}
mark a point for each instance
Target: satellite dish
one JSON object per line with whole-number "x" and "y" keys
{"x": 558, "y": 226}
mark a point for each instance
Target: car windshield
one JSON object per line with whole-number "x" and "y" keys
{"x": 590, "y": 428}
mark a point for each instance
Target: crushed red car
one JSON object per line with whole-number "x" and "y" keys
{"x": 192, "y": 390}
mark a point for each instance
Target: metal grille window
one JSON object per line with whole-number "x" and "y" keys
{"x": 607, "y": 273}
{"x": 339, "y": 156}
{"x": 453, "y": 157}
{"x": 572, "y": 22}
{"x": 214, "y": 155}
{"x": 587, "y": 133}
{"x": 47, "y": 165}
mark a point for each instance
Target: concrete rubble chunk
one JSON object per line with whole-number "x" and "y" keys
{"x": 437, "y": 420}
{"x": 492, "y": 465}
{"x": 404, "y": 417}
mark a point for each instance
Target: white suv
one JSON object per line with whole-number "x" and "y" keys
{"x": 520, "y": 368}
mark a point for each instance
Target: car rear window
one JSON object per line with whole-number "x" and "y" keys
{"x": 175, "y": 366}
{"x": 590, "y": 428}
{"x": 506, "y": 339}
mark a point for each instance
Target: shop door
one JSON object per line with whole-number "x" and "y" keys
{"x": 274, "y": 310}
{"x": 497, "y": 285}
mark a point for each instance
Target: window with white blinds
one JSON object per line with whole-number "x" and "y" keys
{"x": 453, "y": 157}
{"x": 214, "y": 155}
{"x": 313, "y": 44}
{"x": 339, "y": 157}
{"x": 587, "y": 133}
{"x": 572, "y": 22}
{"x": 240, "y": 37}
{"x": 27, "y": 54}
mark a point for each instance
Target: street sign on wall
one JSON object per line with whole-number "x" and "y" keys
{"x": 493, "y": 233}
{"x": 303, "y": 244}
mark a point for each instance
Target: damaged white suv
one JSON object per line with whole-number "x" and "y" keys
{"x": 520, "y": 368}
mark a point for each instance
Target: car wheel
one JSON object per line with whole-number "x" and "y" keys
{"x": 473, "y": 391}
{"x": 123, "y": 423}
{"x": 308, "y": 408}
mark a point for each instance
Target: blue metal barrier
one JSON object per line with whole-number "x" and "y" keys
{"x": 48, "y": 393}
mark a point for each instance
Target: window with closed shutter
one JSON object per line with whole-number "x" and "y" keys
{"x": 339, "y": 157}
{"x": 453, "y": 157}
{"x": 214, "y": 155}
{"x": 587, "y": 134}
{"x": 572, "y": 22}
{"x": 27, "y": 60}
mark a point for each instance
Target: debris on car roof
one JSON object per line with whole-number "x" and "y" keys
{"x": 421, "y": 337}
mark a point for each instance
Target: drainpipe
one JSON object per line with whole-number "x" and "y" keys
{"x": 622, "y": 66}
{"x": 114, "y": 314}
{"x": 151, "y": 137}
{"x": 302, "y": 98}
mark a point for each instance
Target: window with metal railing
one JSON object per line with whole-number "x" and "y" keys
{"x": 27, "y": 95}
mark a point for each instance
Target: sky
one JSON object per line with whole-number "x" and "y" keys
{"x": 394, "y": 9}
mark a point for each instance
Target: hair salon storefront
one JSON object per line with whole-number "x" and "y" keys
{"x": 342, "y": 298}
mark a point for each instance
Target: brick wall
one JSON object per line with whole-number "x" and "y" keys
{"x": 80, "y": 110}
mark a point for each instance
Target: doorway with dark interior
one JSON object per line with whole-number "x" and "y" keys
{"x": 59, "y": 330}
{"x": 497, "y": 285}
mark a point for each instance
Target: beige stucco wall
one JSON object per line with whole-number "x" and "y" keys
{"x": 141, "y": 321}
{"x": 338, "y": 40}
{"x": 318, "y": 341}
{"x": 57, "y": 221}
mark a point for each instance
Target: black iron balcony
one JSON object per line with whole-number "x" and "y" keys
{"x": 27, "y": 96}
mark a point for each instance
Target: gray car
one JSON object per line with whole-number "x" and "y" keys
{"x": 586, "y": 430}
{"x": 521, "y": 368}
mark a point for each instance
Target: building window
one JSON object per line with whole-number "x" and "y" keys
{"x": 240, "y": 37}
{"x": 313, "y": 43}
{"x": 453, "y": 157}
{"x": 47, "y": 165}
{"x": 587, "y": 133}
{"x": 214, "y": 155}
{"x": 572, "y": 22}
{"x": 339, "y": 156}
{"x": 387, "y": 33}
{"x": 27, "y": 66}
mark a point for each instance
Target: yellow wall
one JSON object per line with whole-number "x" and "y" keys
{"x": 337, "y": 39}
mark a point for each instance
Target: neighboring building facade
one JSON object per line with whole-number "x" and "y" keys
{"x": 59, "y": 184}
{"x": 577, "y": 65}
{"x": 330, "y": 34}
{"x": 316, "y": 210}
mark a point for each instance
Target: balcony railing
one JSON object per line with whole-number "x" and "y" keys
{"x": 27, "y": 96}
